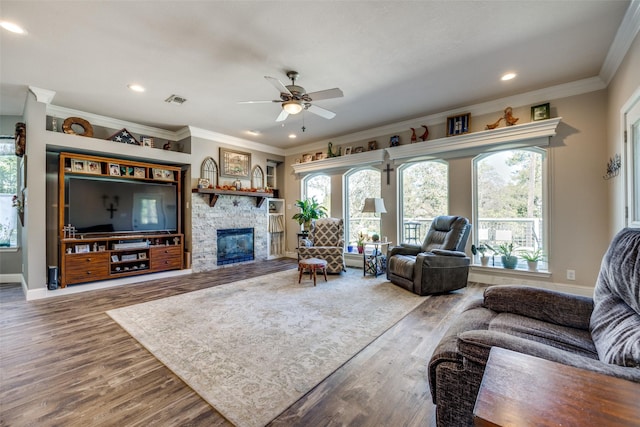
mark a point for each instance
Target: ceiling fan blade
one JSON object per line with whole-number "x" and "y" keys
{"x": 321, "y": 112}
{"x": 326, "y": 94}
{"x": 278, "y": 85}
{"x": 283, "y": 115}
{"x": 259, "y": 102}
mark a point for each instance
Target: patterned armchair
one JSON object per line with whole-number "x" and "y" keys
{"x": 325, "y": 241}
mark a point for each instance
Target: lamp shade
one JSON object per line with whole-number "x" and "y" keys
{"x": 374, "y": 205}
{"x": 292, "y": 107}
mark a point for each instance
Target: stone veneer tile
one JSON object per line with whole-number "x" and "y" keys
{"x": 206, "y": 220}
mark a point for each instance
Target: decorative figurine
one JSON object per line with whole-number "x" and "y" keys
{"x": 494, "y": 125}
{"x": 425, "y": 134}
{"x": 508, "y": 117}
{"x": 330, "y": 152}
{"x": 414, "y": 138}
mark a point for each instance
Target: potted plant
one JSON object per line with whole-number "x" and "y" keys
{"x": 532, "y": 258}
{"x": 361, "y": 238}
{"x": 310, "y": 209}
{"x": 505, "y": 250}
{"x": 481, "y": 249}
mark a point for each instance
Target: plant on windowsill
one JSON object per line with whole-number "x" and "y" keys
{"x": 532, "y": 258}
{"x": 361, "y": 238}
{"x": 505, "y": 250}
{"x": 481, "y": 249}
{"x": 310, "y": 209}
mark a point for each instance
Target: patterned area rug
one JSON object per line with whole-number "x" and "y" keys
{"x": 253, "y": 348}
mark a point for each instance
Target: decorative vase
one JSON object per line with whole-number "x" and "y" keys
{"x": 509, "y": 262}
{"x": 484, "y": 260}
{"x": 533, "y": 265}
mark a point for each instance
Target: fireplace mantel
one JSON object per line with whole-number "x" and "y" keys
{"x": 214, "y": 194}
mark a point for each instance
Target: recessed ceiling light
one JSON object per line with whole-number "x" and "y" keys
{"x": 508, "y": 76}
{"x": 253, "y": 132}
{"x": 292, "y": 136}
{"x": 136, "y": 87}
{"x": 14, "y": 28}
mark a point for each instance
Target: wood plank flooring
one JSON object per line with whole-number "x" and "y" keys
{"x": 64, "y": 362}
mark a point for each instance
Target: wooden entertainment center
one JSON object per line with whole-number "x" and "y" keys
{"x": 91, "y": 256}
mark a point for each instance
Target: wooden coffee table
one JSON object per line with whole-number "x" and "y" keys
{"x": 313, "y": 265}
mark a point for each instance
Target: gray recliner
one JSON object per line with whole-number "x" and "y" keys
{"x": 438, "y": 265}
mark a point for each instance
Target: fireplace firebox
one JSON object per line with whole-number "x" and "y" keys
{"x": 235, "y": 245}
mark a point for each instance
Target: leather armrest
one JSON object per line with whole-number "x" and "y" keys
{"x": 445, "y": 252}
{"x": 543, "y": 304}
{"x": 404, "y": 249}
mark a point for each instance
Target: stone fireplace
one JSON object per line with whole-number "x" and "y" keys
{"x": 230, "y": 212}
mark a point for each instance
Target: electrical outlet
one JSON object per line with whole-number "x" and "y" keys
{"x": 571, "y": 275}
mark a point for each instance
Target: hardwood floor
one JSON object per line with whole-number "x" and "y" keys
{"x": 64, "y": 362}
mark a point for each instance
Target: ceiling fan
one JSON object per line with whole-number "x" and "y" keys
{"x": 294, "y": 98}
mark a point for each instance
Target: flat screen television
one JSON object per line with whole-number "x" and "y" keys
{"x": 107, "y": 205}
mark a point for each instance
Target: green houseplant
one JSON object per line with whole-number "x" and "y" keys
{"x": 310, "y": 209}
{"x": 505, "y": 250}
{"x": 532, "y": 257}
{"x": 481, "y": 249}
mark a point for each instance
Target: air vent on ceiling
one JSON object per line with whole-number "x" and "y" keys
{"x": 175, "y": 99}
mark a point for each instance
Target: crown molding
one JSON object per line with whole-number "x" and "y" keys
{"x": 524, "y": 135}
{"x": 234, "y": 141}
{"x": 625, "y": 36}
{"x": 366, "y": 158}
{"x": 42, "y": 95}
{"x": 565, "y": 90}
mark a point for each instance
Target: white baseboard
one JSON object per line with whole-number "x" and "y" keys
{"x": 529, "y": 279}
{"x": 11, "y": 278}
{"x": 40, "y": 293}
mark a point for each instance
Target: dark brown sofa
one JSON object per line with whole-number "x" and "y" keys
{"x": 600, "y": 334}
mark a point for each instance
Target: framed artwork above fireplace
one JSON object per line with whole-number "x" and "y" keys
{"x": 234, "y": 164}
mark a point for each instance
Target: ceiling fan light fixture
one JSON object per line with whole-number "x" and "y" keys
{"x": 292, "y": 107}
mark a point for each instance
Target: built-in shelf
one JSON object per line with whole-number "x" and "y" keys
{"x": 366, "y": 158}
{"x": 214, "y": 194}
{"x": 533, "y": 134}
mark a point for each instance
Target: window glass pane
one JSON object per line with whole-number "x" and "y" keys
{"x": 509, "y": 202}
{"x": 361, "y": 185}
{"x": 319, "y": 186}
{"x": 8, "y": 188}
{"x": 424, "y": 195}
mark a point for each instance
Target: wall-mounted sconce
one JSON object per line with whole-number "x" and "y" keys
{"x": 613, "y": 167}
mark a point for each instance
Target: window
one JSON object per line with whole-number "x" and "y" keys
{"x": 632, "y": 129}
{"x": 424, "y": 194}
{"x": 8, "y": 188}
{"x": 359, "y": 185}
{"x": 510, "y": 202}
{"x": 318, "y": 186}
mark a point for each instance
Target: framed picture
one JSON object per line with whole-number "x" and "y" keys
{"x": 234, "y": 164}
{"x": 162, "y": 174}
{"x": 320, "y": 156}
{"x": 203, "y": 183}
{"x": 93, "y": 167}
{"x": 102, "y": 248}
{"x": 78, "y": 165}
{"x": 114, "y": 169}
{"x": 80, "y": 249}
{"x": 358, "y": 149}
{"x": 540, "y": 112}
{"x": 347, "y": 151}
{"x": 129, "y": 257}
{"x": 372, "y": 145}
{"x": 139, "y": 172}
{"x": 458, "y": 125}
{"x": 114, "y": 258}
{"x": 307, "y": 158}
{"x": 394, "y": 141}
{"x": 147, "y": 141}
{"x": 142, "y": 255}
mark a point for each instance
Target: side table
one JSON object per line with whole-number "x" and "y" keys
{"x": 526, "y": 391}
{"x": 373, "y": 263}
